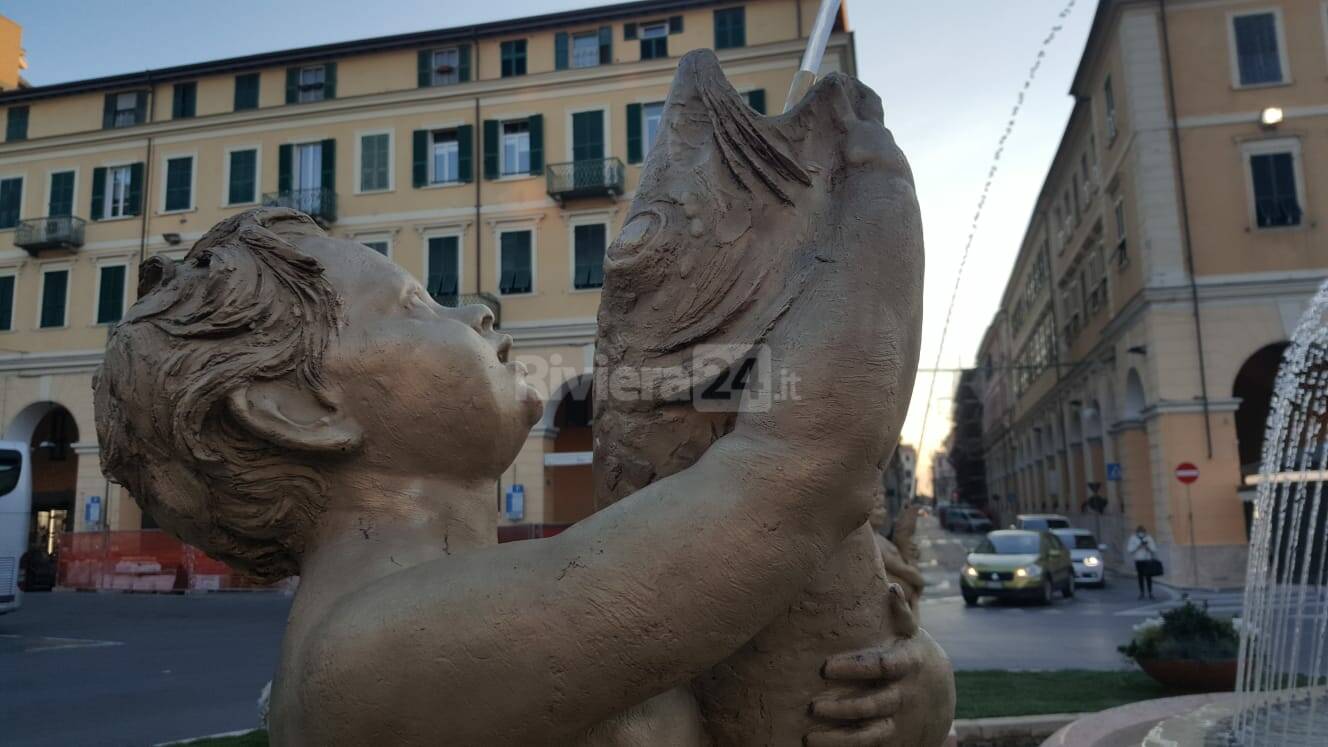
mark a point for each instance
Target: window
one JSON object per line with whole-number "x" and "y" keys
{"x": 515, "y": 263}
{"x": 61, "y": 194}
{"x": 730, "y": 28}
{"x": 11, "y": 201}
{"x": 444, "y": 157}
{"x": 654, "y": 41}
{"x": 242, "y": 177}
{"x": 585, "y": 50}
{"x": 246, "y": 91}
{"x": 179, "y": 184}
{"x": 1274, "y": 186}
{"x": 375, "y": 162}
{"x": 652, "y": 115}
{"x": 516, "y": 147}
{"x": 443, "y": 67}
{"x": 1122, "y": 245}
{"x": 55, "y": 294}
{"x": 378, "y": 245}
{"x": 6, "y": 303}
{"x": 111, "y": 294}
{"x": 124, "y": 109}
{"x": 1258, "y": 56}
{"x": 311, "y": 83}
{"x": 1109, "y": 97}
{"x": 513, "y": 58}
{"x": 443, "y": 272}
{"x": 16, "y": 124}
{"x": 588, "y": 261}
{"x": 118, "y": 183}
{"x": 184, "y": 101}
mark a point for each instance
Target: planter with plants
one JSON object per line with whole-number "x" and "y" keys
{"x": 1187, "y": 649}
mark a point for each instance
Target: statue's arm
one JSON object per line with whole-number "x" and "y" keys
{"x": 535, "y": 641}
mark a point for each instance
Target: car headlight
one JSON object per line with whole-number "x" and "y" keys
{"x": 1032, "y": 570}
{"x": 970, "y": 571}
{"x": 1092, "y": 561}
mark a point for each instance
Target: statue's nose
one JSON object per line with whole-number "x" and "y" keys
{"x": 478, "y": 316}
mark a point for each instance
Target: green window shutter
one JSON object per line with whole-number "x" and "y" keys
{"x": 329, "y": 175}
{"x": 285, "y": 167}
{"x": 424, "y": 68}
{"x": 419, "y": 158}
{"x": 184, "y": 100}
{"x": 605, "y": 45}
{"x": 62, "y": 194}
{"x": 756, "y": 100}
{"x": 243, "y": 186}
{"x": 7, "y": 302}
{"x": 11, "y": 201}
{"x": 98, "y": 193}
{"x": 634, "y": 149}
{"x": 560, "y": 51}
{"x": 55, "y": 290}
{"x": 134, "y": 201}
{"x": 16, "y": 124}
{"x": 292, "y": 85}
{"x": 246, "y": 91}
{"x": 141, "y": 107}
{"x": 675, "y": 24}
{"x": 179, "y": 175}
{"x": 629, "y": 31}
{"x": 110, "y": 296}
{"x": 536, "y": 123}
{"x": 463, "y": 64}
{"x": 330, "y": 81}
{"x": 108, "y": 112}
{"x": 465, "y": 153}
{"x": 490, "y": 149}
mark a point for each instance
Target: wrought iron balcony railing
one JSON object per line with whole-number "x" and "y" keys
{"x": 598, "y": 177}
{"x": 51, "y": 232}
{"x": 465, "y": 299}
{"x": 319, "y": 203}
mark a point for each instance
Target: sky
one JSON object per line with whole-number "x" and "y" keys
{"x": 948, "y": 71}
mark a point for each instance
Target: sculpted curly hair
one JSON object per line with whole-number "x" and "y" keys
{"x": 244, "y": 305}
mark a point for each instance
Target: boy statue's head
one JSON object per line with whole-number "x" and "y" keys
{"x": 273, "y": 364}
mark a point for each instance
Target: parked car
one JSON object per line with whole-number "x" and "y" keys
{"x": 967, "y": 520}
{"x": 1041, "y": 522}
{"x": 1086, "y": 554}
{"x": 1017, "y": 563}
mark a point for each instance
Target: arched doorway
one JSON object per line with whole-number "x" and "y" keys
{"x": 51, "y": 431}
{"x": 569, "y": 487}
{"x": 1254, "y": 386}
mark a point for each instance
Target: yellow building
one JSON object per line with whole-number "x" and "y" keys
{"x": 12, "y": 62}
{"x": 1175, "y": 242}
{"x": 494, "y": 162}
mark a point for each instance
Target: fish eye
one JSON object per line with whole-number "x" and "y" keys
{"x": 638, "y": 232}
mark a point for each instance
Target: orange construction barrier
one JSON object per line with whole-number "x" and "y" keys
{"x": 143, "y": 560}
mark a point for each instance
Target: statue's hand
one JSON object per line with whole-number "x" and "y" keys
{"x": 901, "y": 693}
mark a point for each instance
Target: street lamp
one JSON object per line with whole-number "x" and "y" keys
{"x": 1271, "y": 117}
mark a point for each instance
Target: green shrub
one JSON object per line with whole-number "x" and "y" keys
{"x": 1186, "y": 632}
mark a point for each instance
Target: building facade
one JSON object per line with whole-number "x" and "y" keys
{"x": 1176, "y": 240}
{"x": 494, "y": 162}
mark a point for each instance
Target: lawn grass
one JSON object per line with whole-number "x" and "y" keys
{"x": 982, "y": 694}
{"x": 990, "y": 693}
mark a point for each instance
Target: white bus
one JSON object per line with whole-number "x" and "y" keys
{"x": 15, "y": 515}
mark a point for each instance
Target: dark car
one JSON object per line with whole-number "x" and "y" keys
{"x": 967, "y": 520}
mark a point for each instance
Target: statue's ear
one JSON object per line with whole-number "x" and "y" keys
{"x": 294, "y": 418}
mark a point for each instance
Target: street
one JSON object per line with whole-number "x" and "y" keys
{"x": 136, "y": 669}
{"x": 1077, "y": 633}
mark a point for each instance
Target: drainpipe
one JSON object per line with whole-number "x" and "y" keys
{"x": 146, "y": 204}
{"x": 1185, "y": 222}
{"x": 477, "y": 169}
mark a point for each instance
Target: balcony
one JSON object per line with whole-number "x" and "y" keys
{"x": 51, "y": 232}
{"x": 466, "y": 299}
{"x": 597, "y": 177}
{"x": 319, "y": 203}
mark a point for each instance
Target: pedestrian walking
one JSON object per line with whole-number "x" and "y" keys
{"x": 1143, "y": 548}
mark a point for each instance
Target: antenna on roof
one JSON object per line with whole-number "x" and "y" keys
{"x": 811, "y": 58}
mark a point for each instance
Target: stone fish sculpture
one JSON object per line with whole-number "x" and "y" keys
{"x": 274, "y": 399}
{"x": 734, "y": 215}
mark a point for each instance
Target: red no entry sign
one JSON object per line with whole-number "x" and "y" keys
{"x": 1187, "y": 473}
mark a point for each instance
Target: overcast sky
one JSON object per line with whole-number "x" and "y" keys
{"x": 949, "y": 72}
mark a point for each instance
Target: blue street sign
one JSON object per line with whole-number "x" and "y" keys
{"x": 1113, "y": 471}
{"x": 515, "y": 503}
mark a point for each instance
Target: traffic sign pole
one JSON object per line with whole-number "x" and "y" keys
{"x": 1187, "y": 474}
